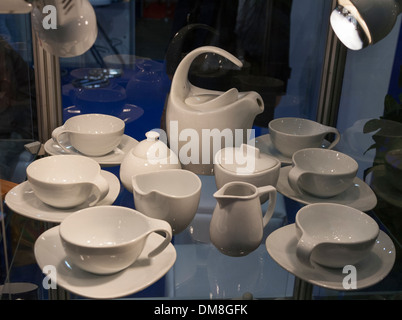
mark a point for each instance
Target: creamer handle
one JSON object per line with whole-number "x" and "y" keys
{"x": 272, "y": 202}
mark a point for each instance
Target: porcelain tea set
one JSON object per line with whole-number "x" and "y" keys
{"x": 167, "y": 192}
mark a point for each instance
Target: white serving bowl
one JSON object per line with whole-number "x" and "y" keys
{"x": 108, "y": 239}
{"x": 171, "y": 195}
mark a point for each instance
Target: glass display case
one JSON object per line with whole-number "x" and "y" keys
{"x": 290, "y": 57}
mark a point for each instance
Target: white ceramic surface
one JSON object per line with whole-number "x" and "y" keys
{"x": 108, "y": 239}
{"x": 113, "y": 158}
{"x": 359, "y": 196}
{"x": 289, "y": 135}
{"x": 22, "y": 199}
{"x": 67, "y": 181}
{"x": 170, "y": 195}
{"x": 246, "y": 164}
{"x": 237, "y": 223}
{"x": 214, "y": 110}
{"x": 334, "y": 235}
{"x": 144, "y": 272}
{"x": 91, "y": 134}
{"x": 322, "y": 173}
{"x": 281, "y": 246}
{"x": 149, "y": 155}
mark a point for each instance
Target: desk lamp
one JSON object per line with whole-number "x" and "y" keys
{"x": 74, "y": 31}
{"x": 359, "y": 23}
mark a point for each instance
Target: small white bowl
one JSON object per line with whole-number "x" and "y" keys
{"x": 171, "y": 195}
{"x": 334, "y": 235}
{"x": 108, "y": 239}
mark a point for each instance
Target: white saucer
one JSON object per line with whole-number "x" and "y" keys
{"x": 264, "y": 143}
{"x": 144, "y": 272}
{"x": 281, "y": 245}
{"x": 21, "y": 199}
{"x": 113, "y": 158}
{"x": 358, "y": 196}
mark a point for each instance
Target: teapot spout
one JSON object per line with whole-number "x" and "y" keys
{"x": 254, "y": 102}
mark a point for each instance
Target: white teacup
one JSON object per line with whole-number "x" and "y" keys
{"x": 334, "y": 235}
{"x": 108, "y": 239}
{"x": 91, "y": 134}
{"x": 66, "y": 181}
{"x": 321, "y": 173}
{"x": 289, "y": 135}
{"x": 171, "y": 195}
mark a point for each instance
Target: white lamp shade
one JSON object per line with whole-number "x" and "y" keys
{"x": 74, "y": 33}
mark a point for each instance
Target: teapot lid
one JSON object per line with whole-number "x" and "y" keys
{"x": 151, "y": 148}
{"x": 245, "y": 159}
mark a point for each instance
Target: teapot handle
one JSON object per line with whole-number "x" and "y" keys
{"x": 180, "y": 83}
{"x": 272, "y": 202}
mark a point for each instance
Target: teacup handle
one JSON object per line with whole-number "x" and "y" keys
{"x": 337, "y": 136}
{"x": 101, "y": 187}
{"x": 293, "y": 178}
{"x": 304, "y": 249}
{"x": 158, "y": 225}
{"x": 56, "y": 134}
{"x": 271, "y": 191}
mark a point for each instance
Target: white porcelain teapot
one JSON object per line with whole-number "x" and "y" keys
{"x": 206, "y": 116}
{"x": 149, "y": 155}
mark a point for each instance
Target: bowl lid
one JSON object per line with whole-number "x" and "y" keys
{"x": 151, "y": 148}
{"x": 245, "y": 159}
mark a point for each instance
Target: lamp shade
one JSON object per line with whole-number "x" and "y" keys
{"x": 359, "y": 23}
{"x": 15, "y": 6}
{"x": 72, "y": 31}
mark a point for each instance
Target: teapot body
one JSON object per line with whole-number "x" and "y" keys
{"x": 200, "y": 122}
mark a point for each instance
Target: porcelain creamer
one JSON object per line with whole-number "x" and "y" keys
{"x": 237, "y": 222}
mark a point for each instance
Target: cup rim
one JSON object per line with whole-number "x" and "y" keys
{"x": 351, "y": 210}
{"x": 222, "y": 190}
{"x": 72, "y": 241}
{"x": 163, "y": 172}
{"x": 120, "y": 124}
{"x": 274, "y": 121}
{"x": 354, "y": 166}
{"x": 33, "y": 175}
